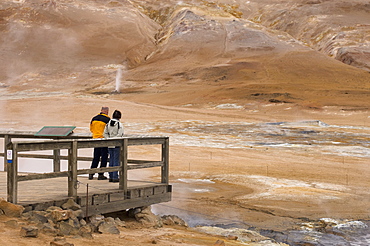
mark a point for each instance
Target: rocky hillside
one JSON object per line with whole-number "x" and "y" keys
{"x": 188, "y": 52}
{"x": 339, "y": 29}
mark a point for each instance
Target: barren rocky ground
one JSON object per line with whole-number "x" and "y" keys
{"x": 266, "y": 102}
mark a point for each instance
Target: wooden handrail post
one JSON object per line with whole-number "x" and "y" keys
{"x": 12, "y": 176}
{"x": 56, "y": 160}
{"x": 123, "y": 164}
{"x": 165, "y": 159}
{"x": 72, "y": 169}
{"x": 7, "y": 140}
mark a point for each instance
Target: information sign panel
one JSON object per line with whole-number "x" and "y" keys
{"x": 55, "y": 131}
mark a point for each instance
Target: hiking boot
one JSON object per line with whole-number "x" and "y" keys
{"x": 115, "y": 180}
{"x": 91, "y": 176}
{"x": 102, "y": 177}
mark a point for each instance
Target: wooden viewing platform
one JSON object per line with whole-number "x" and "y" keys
{"x": 37, "y": 191}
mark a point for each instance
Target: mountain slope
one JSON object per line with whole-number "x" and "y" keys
{"x": 193, "y": 52}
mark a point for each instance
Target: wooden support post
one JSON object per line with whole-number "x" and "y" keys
{"x": 123, "y": 164}
{"x": 72, "y": 169}
{"x": 7, "y": 140}
{"x": 165, "y": 159}
{"x": 56, "y": 160}
{"x": 12, "y": 176}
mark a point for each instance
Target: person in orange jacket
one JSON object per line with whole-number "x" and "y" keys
{"x": 97, "y": 126}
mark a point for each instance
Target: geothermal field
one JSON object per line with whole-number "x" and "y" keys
{"x": 266, "y": 103}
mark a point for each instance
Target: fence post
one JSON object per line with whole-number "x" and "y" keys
{"x": 12, "y": 175}
{"x": 123, "y": 169}
{"x": 56, "y": 160}
{"x": 72, "y": 169}
{"x": 165, "y": 160}
{"x": 7, "y": 140}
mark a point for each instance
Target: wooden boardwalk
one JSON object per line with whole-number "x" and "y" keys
{"x": 37, "y": 191}
{"x": 40, "y": 194}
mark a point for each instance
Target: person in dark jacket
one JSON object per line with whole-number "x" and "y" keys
{"x": 97, "y": 126}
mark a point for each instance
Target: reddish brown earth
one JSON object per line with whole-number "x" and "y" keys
{"x": 194, "y": 71}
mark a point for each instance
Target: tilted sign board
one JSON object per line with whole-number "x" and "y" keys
{"x": 55, "y": 131}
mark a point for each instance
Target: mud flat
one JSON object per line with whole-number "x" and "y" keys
{"x": 273, "y": 168}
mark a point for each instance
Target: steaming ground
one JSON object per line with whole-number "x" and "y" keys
{"x": 267, "y": 169}
{"x": 309, "y": 136}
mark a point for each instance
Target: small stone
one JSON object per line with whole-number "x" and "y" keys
{"x": 49, "y": 229}
{"x": 60, "y": 242}
{"x": 74, "y": 222}
{"x": 83, "y": 222}
{"x": 109, "y": 220}
{"x": 95, "y": 221}
{"x": 219, "y": 243}
{"x": 86, "y": 232}
{"x": 71, "y": 204}
{"x": 147, "y": 218}
{"x": 108, "y": 227}
{"x": 231, "y": 237}
{"x": 26, "y": 215}
{"x": 38, "y": 217}
{"x": 10, "y": 209}
{"x": 66, "y": 228}
{"x": 119, "y": 222}
{"x": 29, "y": 231}
{"x": 173, "y": 220}
{"x": 96, "y": 218}
{"x": 60, "y": 215}
{"x": 11, "y": 224}
{"x": 52, "y": 208}
{"x": 78, "y": 214}
{"x": 50, "y": 222}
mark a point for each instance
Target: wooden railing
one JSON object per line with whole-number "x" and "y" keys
{"x": 9, "y": 135}
{"x": 73, "y": 144}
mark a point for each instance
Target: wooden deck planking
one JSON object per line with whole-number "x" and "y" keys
{"x": 39, "y": 191}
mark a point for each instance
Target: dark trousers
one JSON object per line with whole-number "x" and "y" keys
{"x": 114, "y": 161}
{"x": 100, "y": 154}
